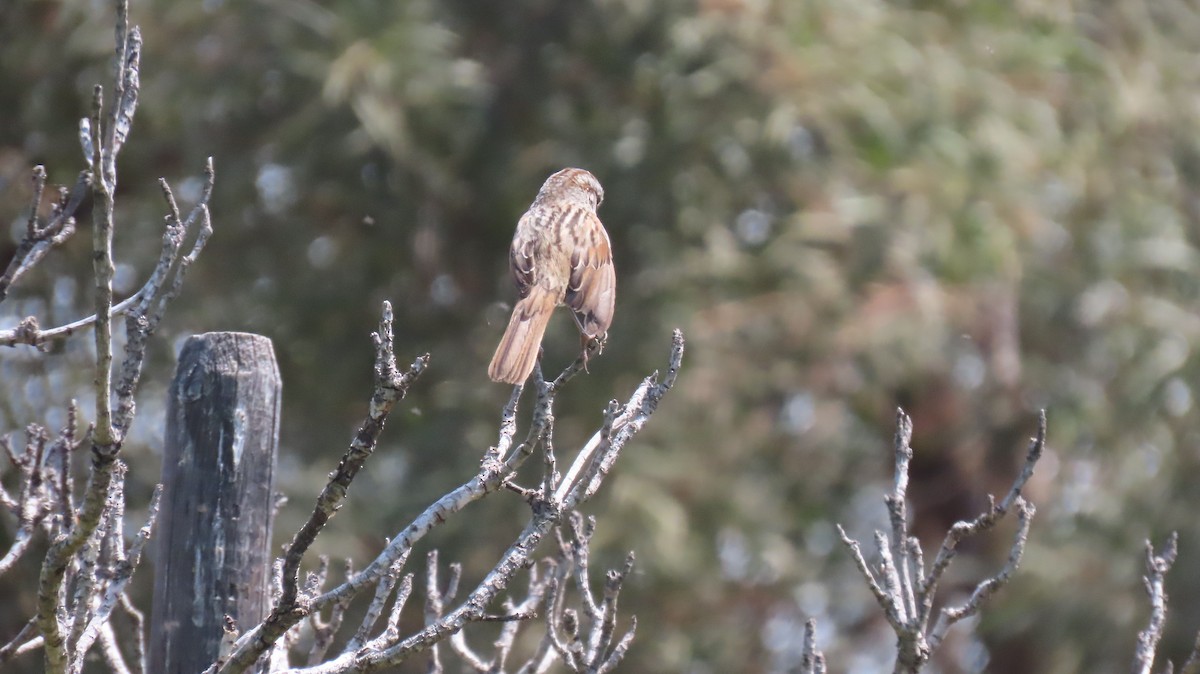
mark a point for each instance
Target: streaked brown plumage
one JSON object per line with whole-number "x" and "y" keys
{"x": 560, "y": 255}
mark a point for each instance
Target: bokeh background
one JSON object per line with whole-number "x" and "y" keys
{"x": 973, "y": 210}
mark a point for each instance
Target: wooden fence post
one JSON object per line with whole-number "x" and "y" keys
{"x": 214, "y": 530}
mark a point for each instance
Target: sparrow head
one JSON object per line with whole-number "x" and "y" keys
{"x": 575, "y": 184}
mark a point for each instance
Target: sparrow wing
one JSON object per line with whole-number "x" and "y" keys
{"x": 520, "y": 258}
{"x": 592, "y": 289}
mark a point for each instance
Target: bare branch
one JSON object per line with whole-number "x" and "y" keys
{"x": 103, "y": 191}
{"x": 603, "y": 656}
{"x": 54, "y": 568}
{"x": 382, "y": 592}
{"x": 583, "y": 640}
{"x": 128, "y": 88}
{"x": 45, "y": 486}
{"x": 112, "y": 654}
{"x": 94, "y": 530}
{"x": 39, "y": 186}
{"x": 87, "y": 572}
{"x": 325, "y": 630}
{"x": 562, "y": 619}
{"x": 809, "y": 655}
{"x": 39, "y": 239}
{"x": 904, "y": 589}
{"x": 183, "y": 241}
{"x": 984, "y": 522}
{"x": 21, "y": 642}
{"x": 392, "y": 632}
{"x": 390, "y": 387}
{"x": 122, "y": 565}
{"x": 885, "y": 600}
{"x": 578, "y": 553}
{"x": 524, "y": 611}
{"x": 1157, "y": 566}
{"x": 471, "y": 659}
{"x": 139, "y": 633}
{"x": 496, "y": 469}
{"x": 607, "y": 445}
{"x": 903, "y": 583}
{"x": 21, "y": 540}
{"x": 29, "y": 332}
{"x": 990, "y": 586}
{"x": 29, "y": 646}
{"x": 159, "y": 291}
{"x": 1036, "y": 446}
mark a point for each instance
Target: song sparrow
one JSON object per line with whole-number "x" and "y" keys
{"x": 560, "y": 255}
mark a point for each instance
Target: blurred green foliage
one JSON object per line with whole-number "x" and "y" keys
{"x": 970, "y": 209}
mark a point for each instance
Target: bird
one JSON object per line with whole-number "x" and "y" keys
{"x": 560, "y": 254}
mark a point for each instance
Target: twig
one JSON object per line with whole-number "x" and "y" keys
{"x": 603, "y": 656}
{"x": 990, "y": 586}
{"x": 578, "y": 552}
{"x": 159, "y": 291}
{"x": 105, "y": 443}
{"x": 138, "y": 619}
{"x": 546, "y": 513}
{"x": 886, "y": 601}
{"x": 562, "y": 619}
{"x": 542, "y": 424}
{"x": 433, "y": 608}
{"x": 812, "y": 660}
{"x": 595, "y": 650}
{"x": 112, "y": 653}
{"x": 904, "y": 585}
{"x": 96, "y": 524}
{"x": 375, "y": 609}
{"x": 30, "y": 646}
{"x": 526, "y": 610}
{"x": 494, "y": 470}
{"x": 39, "y": 239}
{"x": 904, "y": 588}
{"x": 983, "y": 522}
{"x": 324, "y": 631}
{"x": 392, "y": 632}
{"x": 435, "y": 600}
{"x": 122, "y": 570}
{"x": 103, "y": 190}
{"x": 17, "y": 643}
{"x": 390, "y": 387}
{"x": 146, "y": 306}
{"x": 606, "y": 444}
{"x": 85, "y": 574}
{"x": 28, "y": 331}
{"x": 1157, "y": 566}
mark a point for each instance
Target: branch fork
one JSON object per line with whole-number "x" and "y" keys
{"x": 901, "y": 583}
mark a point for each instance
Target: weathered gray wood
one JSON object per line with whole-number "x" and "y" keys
{"x": 214, "y": 531}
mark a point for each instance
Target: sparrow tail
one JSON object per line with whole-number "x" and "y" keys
{"x": 519, "y": 347}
